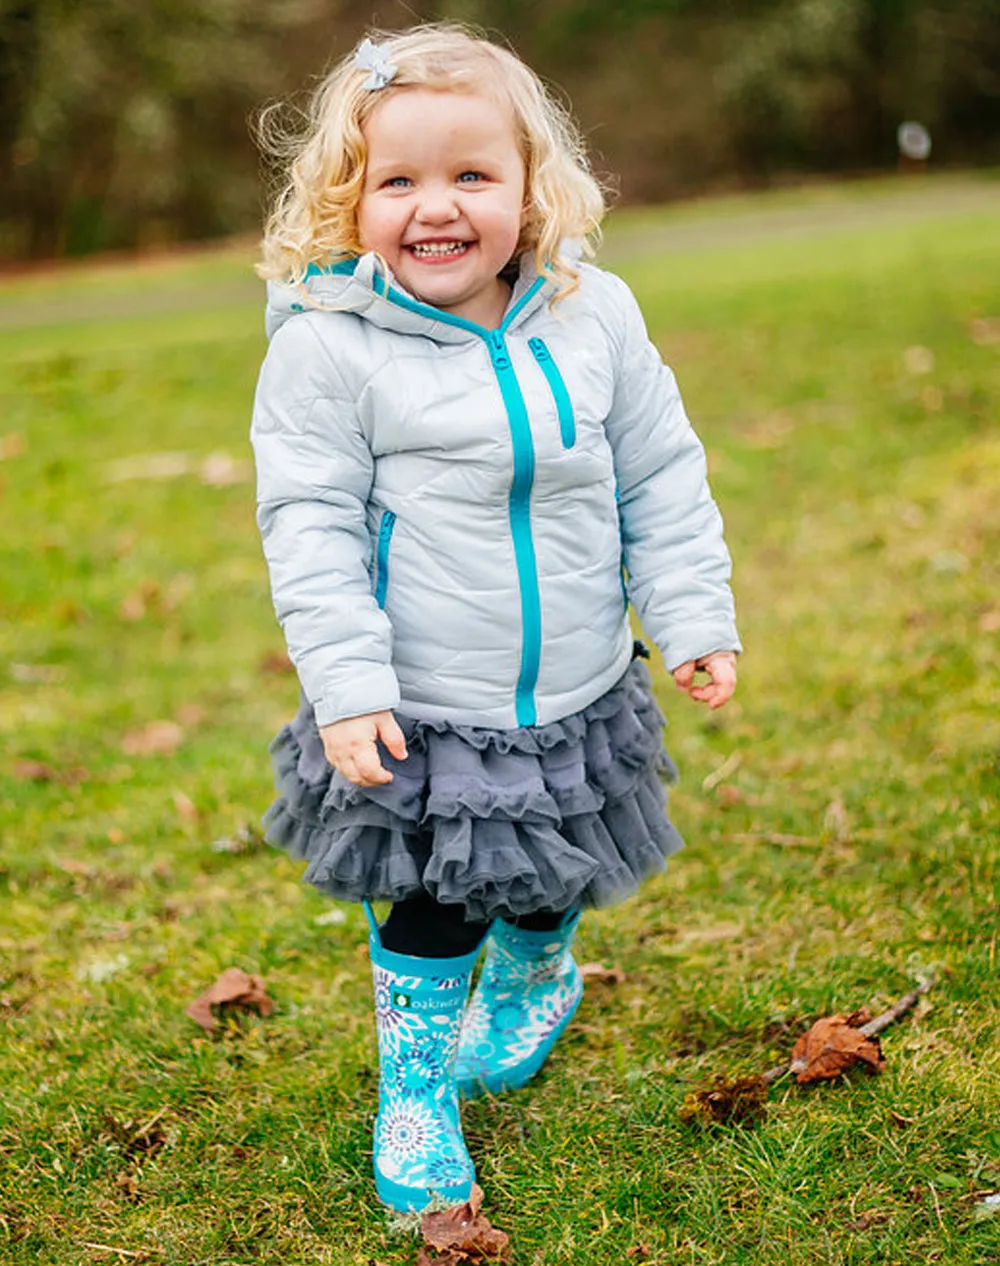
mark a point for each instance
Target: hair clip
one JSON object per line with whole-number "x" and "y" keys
{"x": 370, "y": 57}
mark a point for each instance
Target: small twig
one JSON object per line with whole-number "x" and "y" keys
{"x": 897, "y": 1009}
{"x": 870, "y": 1029}
{"x": 110, "y": 1248}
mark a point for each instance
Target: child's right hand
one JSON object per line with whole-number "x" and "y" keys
{"x": 350, "y": 747}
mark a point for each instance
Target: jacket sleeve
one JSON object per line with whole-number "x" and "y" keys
{"x": 677, "y": 562}
{"x": 314, "y": 474}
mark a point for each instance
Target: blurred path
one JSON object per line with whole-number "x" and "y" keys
{"x": 745, "y": 218}
{"x": 223, "y": 278}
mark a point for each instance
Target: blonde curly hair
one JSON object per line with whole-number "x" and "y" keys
{"x": 314, "y": 217}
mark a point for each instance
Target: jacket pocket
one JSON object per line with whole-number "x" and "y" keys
{"x": 564, "y": 406}
{"x": 386, "y": 524}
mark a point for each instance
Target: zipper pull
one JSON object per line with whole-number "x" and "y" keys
{"x": 498, "y": 352}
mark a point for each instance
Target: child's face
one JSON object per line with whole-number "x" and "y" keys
{"x": 443, "y": 198}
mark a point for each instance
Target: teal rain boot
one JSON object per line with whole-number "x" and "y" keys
{"x": 418, "y": 1150}
{"x": 527, "y": 994}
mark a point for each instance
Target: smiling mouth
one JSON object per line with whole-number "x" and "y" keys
{"x": 438, "y": 250}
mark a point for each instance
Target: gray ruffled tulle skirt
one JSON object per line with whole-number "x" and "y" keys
{"x": 502, "y": 822}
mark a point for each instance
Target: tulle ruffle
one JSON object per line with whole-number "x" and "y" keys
{"x": 502, "y": 822}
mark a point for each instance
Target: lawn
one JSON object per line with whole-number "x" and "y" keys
{"x": 839, "y": 351}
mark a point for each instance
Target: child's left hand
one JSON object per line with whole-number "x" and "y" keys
{"x": 721, "y": 669}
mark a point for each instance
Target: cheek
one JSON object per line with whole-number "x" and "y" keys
{"x": 377, "y": 225}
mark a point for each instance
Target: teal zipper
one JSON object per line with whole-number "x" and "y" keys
{"x": 519, "y": 511}
{"x": 564, "y": 406}
{"x": 382, "y": 556}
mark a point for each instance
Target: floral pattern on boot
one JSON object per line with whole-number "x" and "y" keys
{"x": 418, "y": 1150}
{"x": 528, "y": 992}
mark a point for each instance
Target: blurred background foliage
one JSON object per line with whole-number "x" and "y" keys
{"x": 125, "y": 124}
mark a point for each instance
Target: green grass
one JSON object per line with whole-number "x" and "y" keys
{"x": 847, "y": 838}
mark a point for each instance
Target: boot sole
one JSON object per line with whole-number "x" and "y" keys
{"x": 415, "y": 1199}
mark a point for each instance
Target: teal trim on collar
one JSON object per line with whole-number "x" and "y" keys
{"x": 436, "y": 314}
{"x": 529, "y": 294}
{"x": 343, "y": 267}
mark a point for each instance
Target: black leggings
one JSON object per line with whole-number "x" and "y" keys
{"x": 423, "y": 928}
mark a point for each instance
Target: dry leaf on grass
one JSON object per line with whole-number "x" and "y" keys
{"x": 39, "y": 771}
{"x": 234, "y": 988}
{"x": 12, "y": 445}
{"x": 462, "y": 1234}
{"x": 34, "y": 771}
{"x": 136, "y": 605}
{"x": 158, "y": 738}
{"x": 603, "y": 975}
{"x": 740, "y": 1102}
{"x": 276, "y": 663}
{"x": 186, "y": 808}
{"x": 833, "y": 1045}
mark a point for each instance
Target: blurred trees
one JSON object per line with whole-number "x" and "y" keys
{"x": 125, "y": 122}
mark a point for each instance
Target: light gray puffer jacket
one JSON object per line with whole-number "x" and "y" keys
{"x": 446, "y": 510}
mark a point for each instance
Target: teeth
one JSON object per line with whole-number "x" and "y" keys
{"x": 438, "y": 248}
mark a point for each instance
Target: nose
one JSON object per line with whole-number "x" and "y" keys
{"x": 437, "y": 204}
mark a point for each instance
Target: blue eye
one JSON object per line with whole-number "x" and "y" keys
{"x": 398, "y": 182}
{"x": 470, "y": 177}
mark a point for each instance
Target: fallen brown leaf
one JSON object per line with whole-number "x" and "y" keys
{"x": 186, "y": 808}
{"x": 12, "y": 445}
{"x": 453, "y": 1257}
{"x": 34, "y": 771}
{"x": 276, "y": 663}
{"x": 39, "y": 771}
{"x": 870, "y": 1218}
{"x": 638, "y": 1250}
{"x": 462, "y": 1233}
{"x": 158, "y": 738}
{"x": 139, "y": 602}
{"x": 724, "y": 1101}
{"x": 234, "y": 988}
{"x": 832, "y": 1046}
{"x": 603, "y": 975}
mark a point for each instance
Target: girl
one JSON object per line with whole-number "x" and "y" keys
{"x": 470, "y": 458}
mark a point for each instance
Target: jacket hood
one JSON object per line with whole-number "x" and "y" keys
{"x": 364, "y": 285}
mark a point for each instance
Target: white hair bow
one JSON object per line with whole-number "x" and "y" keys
{"x": 370, "y": 57}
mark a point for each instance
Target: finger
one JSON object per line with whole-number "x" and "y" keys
{"x": 718, "y": 693}
{"x": 370, "y": 769}
{"x": 684, "y": 675}
{"x": 392, "y": 736}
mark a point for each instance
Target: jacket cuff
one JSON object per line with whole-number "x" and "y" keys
{"x": 699, "y": 641}
{"x": 374, "y": 690}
